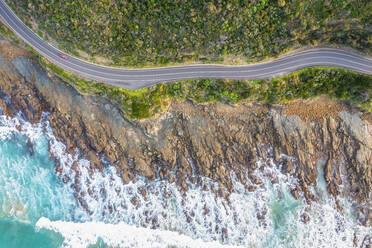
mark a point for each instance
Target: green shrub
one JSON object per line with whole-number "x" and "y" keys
{"x": 148, "y": 32}
{"x": 307, "y": 83}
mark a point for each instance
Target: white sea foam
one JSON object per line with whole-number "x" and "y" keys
{"x": 29, "y": 188}
{"x": 267, "y": 217}
{"x": 120, "y": 235}
{"x": 7, "y": 126}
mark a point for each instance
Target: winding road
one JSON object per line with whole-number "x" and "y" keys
{"x": 140, "y": 78}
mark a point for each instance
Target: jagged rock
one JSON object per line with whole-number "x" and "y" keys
{"x": 143, "y": 193}
{"x": 144, "y": 168}
{"x": 295, "y": 193}
{"x": 216, "y": 138}
{"x": 355, "y": 240}
{"x": 251, "y": 188}
{"x": 134, "y": 201}
{"x": 305, "y": 218}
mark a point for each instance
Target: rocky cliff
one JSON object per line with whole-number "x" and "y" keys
{"x": 212, "y": 140}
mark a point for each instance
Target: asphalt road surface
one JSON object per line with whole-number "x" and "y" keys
{"x": 140, "y": 78}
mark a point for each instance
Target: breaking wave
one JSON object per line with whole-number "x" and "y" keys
{"x": 76, "y": 206}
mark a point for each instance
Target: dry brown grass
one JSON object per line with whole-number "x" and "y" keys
{"x": 367, "y": 116}
{"x": 9, "y": 51}
{"x": 315, "y": 109}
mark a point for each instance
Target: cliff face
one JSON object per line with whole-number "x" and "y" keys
{"x": 189, "y": 140}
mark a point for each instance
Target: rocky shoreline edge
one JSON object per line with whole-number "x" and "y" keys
{"x": 209, "y": 140}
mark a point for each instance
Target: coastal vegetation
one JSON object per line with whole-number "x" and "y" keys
{"x": 145, "y": 33}
{"x": 339, "y": 84}
{"x": 5, "y": 31}
{"x": 307, "y": 83}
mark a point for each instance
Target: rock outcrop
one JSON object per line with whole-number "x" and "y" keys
{"x": 212, "y": 140}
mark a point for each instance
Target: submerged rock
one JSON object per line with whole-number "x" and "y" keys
{"x": 30, "y": 147}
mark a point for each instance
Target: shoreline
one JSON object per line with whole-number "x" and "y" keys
{"x": 190, "y": 141}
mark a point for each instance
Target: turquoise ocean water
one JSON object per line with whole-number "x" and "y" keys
{"x": 37, "y": 209}
{"x": 29, "y": 189}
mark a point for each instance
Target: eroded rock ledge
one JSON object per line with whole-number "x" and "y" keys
{"x": 200, "y": 140}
